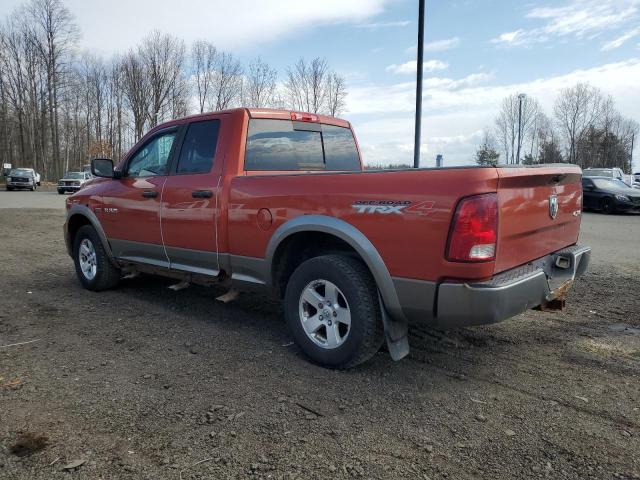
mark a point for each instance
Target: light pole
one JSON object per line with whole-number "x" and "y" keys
{"x": 521, "y": 97}
{"x": 416, "y": 145}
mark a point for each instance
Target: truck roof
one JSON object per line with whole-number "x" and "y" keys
{"x": 268, "y": 113}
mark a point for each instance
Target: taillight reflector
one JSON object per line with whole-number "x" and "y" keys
{"x": 304, "y": 117}
{"x": 474, "y": 231}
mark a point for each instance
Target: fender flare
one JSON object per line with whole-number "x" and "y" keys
{"x": 86, "y": 212}
{"x": 352, "y": 236}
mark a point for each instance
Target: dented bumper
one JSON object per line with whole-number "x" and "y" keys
{"x": 539, "y": 284}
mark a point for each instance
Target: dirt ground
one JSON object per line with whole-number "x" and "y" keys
{"x": 144, "y": 382}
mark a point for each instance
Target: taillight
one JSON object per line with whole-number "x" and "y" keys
{"x": 475, "y": 229}
{"x": 304, "y": 117}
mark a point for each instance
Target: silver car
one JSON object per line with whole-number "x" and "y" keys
{"x": 22, "y": 178}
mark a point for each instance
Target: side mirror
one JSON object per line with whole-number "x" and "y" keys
{"x": 102, "y": 167}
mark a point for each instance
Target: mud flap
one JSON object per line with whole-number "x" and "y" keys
{"x": 395, "y": 333}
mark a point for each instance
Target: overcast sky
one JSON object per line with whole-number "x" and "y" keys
{"x": 478, "y": 51}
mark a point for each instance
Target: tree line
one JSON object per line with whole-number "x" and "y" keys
{"x": 586, "y": 129}
{"x": 60, "y": 107}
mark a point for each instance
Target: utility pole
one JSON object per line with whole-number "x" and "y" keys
{"x": 521, "y": 97}
{"x": 416, "y": 145}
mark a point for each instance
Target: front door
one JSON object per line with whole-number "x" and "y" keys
{"x": 191, "y": 198}
{"x": 131, "y": 209}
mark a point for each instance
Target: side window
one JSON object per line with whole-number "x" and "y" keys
{"x": 199, "y": 147}
{"x": 152, "y": 159}
{"x": 340, "y": 148}
{"x": 276, "y": 145}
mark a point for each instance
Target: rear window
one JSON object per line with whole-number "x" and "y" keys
{"x": 287, "y": 145}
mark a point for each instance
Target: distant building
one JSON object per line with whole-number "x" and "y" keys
{"x": 439, "y": 160}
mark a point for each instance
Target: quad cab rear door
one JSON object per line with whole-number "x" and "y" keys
{"x": 190, "y": 209}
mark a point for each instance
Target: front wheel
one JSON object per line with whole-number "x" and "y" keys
{"x": 333, "y": 311}
{"x": 607, "y": 206}
{"x": 61, "y": 192}
{"x": 93, "y": 266}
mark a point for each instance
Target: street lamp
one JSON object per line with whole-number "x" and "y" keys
{"x": 521, "y": 97}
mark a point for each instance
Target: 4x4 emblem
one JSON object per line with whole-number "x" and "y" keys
{"x": 553, "y": 206}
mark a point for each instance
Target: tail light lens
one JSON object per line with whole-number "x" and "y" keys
{"x": 475, "y": 229}
{"x": 304, "y": 117}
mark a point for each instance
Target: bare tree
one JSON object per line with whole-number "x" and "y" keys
{"x": 56, "y": 34}
{"x": 510, "y": 119}
{"x": 576, "y": 109}
{"x": 306, "y": 85}
{"x": 260, "y": 85}
{"x": 137, "y": 89}
{"x": 203, "y": 60}
{"x": 336, "y": 94}
{"x": 226, "y": 82}
{"x": 163, "y": 57}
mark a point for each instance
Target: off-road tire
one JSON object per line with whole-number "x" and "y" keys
{"x": 352, "y": 277}
{"x": 107, "y": 275}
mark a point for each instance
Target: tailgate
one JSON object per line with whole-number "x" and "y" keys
{"x": 527, "y": 229}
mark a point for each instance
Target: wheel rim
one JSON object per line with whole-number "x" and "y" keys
{"x": 87, "y": 259}
{"x": 324, "y": 314}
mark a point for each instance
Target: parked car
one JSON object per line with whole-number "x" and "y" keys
{"x": 22, "y": 178}
{"x": 278, "y": 201}
{"x": 616, "y": 173}
{"x": 73, "y": 181}
{"x": 609, "y": 195}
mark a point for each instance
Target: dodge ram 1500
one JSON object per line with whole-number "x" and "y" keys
{"x": 279, "y": 202}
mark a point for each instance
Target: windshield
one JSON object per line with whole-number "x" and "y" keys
{"x": 74, "y": 175}
{"x": 20, "y": 171}
{"x": 602, "y": 172}
{"x": 609, "y": 183}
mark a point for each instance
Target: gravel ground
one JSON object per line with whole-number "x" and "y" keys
{"x": 145, "y": 382}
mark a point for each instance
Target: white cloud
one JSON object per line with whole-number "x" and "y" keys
{"x": 412, "y": 67}
{"x": 442, "y": 45}
{"x": 509, "y": 37}
{"x": 119, "y": 24}
{"x": 437, "y": 45}
{"x": 376, "y": 25}
{"x": 577, "y": 18}
{"x": 456, "y": 110}
{"x": 621, "y": 40}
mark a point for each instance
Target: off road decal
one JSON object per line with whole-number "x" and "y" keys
{"x": 392, "y": 207}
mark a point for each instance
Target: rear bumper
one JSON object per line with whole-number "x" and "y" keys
{"x": 507, "y": 294}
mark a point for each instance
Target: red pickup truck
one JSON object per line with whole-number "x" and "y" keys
{"x": 278, "y": 201}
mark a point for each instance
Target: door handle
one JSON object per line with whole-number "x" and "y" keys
{"x": 202, "y": 194}
{"x": 149, "y": 194}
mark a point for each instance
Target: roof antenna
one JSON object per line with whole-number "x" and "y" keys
{"x": 416, "y": 146}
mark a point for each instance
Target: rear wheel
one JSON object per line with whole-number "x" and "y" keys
{"x": 607, "y": 206}
{"x": 333, "y": 311}
{"x": 93, "y": 266}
